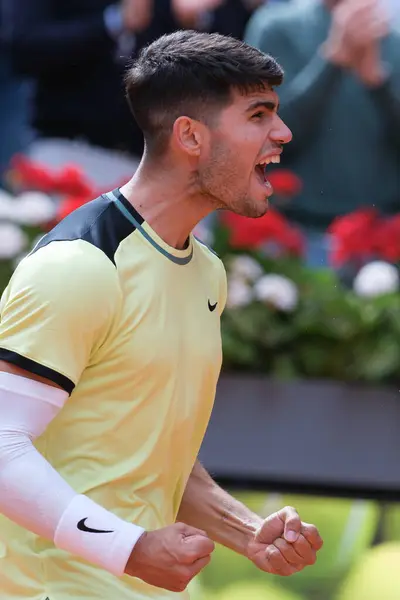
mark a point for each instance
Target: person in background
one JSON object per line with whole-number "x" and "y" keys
{"x": 227, "y": 17}
{"x": 76, "y": 52}
{"x": 341, "y": 98}
{"x": 14, "y": 112}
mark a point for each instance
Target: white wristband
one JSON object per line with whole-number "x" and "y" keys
{"x": 97, "y": 535}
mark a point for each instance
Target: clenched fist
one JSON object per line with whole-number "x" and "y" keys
{"x": 170, "y": 557}
{"x": 284, "y": 545}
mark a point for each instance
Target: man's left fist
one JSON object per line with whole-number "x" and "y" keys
{"x": 284, "y": 545}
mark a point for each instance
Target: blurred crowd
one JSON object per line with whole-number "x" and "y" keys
{"x": 61, "y": 91}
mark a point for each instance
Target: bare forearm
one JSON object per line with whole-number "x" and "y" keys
{"x": 208, "y": 507}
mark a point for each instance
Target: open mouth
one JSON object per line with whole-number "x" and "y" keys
{"x": 261, "y": 169}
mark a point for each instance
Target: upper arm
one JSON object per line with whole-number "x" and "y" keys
{"x": 264, "y": 29}
{"x": 6, "y": 367}
{"x": 257, "y": 24}
{"x": 268, "y": 30}
{"x": 57, "y": 311}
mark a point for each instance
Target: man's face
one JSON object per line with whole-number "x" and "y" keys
{"x": 249, "y": 134}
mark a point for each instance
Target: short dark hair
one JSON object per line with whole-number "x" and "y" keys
{"x": 190, "y": 73}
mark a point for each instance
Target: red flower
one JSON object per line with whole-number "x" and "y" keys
{"x": 31, "y": 175}
{"x": 387, "y": 239}
{"x": 293, "y": 241}
{"x": 72, "y": 181}
{"x": 353, "y": 236}
{"x": 285, "y": 183}
{"x": 84, "y": 193}
{"x": 253, "y": 233}
{"x": 246, "y": 232}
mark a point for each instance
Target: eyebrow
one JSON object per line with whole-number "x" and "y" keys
{"x": 268, "y": 104}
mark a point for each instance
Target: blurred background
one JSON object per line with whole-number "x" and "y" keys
{"x": 307, "y": 412}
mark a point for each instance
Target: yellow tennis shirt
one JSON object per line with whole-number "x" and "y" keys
{"x": 130, "y": 327}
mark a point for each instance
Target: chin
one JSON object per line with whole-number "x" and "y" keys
{"x": 255, "y": 210}
{"x": 248, "y": 206}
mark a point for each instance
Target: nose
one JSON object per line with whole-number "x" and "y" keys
{"x": 280, "y": 132}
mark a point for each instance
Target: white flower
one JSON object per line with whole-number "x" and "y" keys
{"x": 5, "y": 206}
{"x": 34, "y": 208}
{"x": 12, "y": 241}
{"x": 277, "y": 290}
{"x": 376, "y": 278}
{"x": 245, "y": 267}
{"x": 239, "y": 293}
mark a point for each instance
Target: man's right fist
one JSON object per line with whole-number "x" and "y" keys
{"x": 170, "y": 557}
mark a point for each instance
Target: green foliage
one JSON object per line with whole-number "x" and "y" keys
{"x": 330, "y": 334}
{"x": 391, "y": 522}
{"x": 249, "y": 590}
{"x": 6, "y": 270}
{"x": 376, "y": 576}
{"x": 7, "y": 265}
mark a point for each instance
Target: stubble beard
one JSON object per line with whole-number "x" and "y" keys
{"x": 224, "y": 197}
{"x": 217, "y": 181}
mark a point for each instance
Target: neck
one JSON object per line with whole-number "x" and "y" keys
{"x": 170, "y": 207}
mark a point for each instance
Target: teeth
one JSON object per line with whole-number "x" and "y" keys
{"x": 272, "y": 159}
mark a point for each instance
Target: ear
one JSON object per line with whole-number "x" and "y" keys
{"x": 189, "y": 135}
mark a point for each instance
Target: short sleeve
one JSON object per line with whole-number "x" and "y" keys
{"x": 57, "y": 310}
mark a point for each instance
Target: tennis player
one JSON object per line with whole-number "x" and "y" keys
{"x": 110, "y": 350}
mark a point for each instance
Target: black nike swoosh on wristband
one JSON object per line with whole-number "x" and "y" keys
{"x": 82, "y": 527}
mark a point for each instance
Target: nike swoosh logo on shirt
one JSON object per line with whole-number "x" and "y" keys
{"x": 82, "y": 527}
{"x": 212, "y": 306}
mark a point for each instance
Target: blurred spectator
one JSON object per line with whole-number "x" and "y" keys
{"x": 14, "y": 116}
{"x": 76, "y": 52}
{"x": 228, "y": 17}
{"x": 341, "y": 98}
